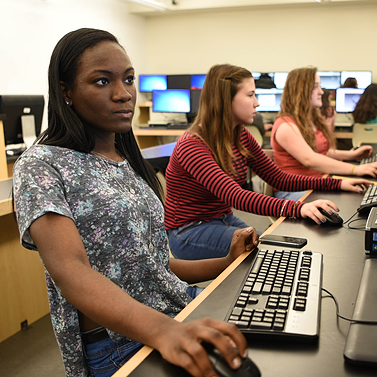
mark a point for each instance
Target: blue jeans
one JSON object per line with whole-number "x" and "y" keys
{"x": 291, "y": 195}
{"x": 202, "y": 240}
{"x": 105, "y": 357}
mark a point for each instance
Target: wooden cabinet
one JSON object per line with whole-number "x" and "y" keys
{"x": 23, "y": 292}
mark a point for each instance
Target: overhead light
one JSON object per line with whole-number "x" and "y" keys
{"x": 151, "y": 4}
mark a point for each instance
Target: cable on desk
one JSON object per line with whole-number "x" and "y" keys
{"x": 350, "y": 221}
{"x": 345, "y": 318}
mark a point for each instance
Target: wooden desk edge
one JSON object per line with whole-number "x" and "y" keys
{"x": 140, "y": 356}
{"x": 6, "y": 207}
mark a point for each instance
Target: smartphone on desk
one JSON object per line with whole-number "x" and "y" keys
{"x": 285, "y": 241}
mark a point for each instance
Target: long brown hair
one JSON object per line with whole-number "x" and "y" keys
{"x": 366, "y": 107}
{"x": 296, "y": 103}
{"x": 214, "y": 122}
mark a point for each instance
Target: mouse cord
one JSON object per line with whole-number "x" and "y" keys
{"x": 350, "y": 221}
{"x": 345, "y": 318}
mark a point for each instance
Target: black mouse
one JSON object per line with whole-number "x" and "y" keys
{"x": 331, "y": 220}
{"x": 247, "y": 369}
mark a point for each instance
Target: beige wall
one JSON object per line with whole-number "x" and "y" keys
{"x": 330, "y": 36}
{"x": 30, "y": 29}
{"x": 280, "y": 38}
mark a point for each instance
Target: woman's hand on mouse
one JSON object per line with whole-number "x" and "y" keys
{"x": 310, "y": 210}
{"x": 355, "y": 185}
{"x": 181, "y": 344}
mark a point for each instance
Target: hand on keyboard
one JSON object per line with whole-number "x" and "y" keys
{"x": 358, "y": 185}
{"x": 360, "y": 153}
{"x": 365, "y": 169}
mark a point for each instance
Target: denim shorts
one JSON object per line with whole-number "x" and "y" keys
{"x": 105, "y": 357}
{"x": 205, "y": 239}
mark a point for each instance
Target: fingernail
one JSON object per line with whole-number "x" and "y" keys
{"x": 255, "y": 242}
{"x": 249, "y": 230}
{"x": 237, "y": 362}
{"x": 331, "y": 212}
{"x": 361, "y": 191}
{"x": 245, "y": 354}
{"x": 324, "y": 220}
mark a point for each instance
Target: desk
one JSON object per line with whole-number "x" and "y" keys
{"x": 23, "y": 293}
{"x": 147, "y": 136}
{"x": 164, "y": 150}
{"x": 343, "y": 251}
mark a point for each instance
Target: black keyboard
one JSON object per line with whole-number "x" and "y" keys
{"x": 178, "y": 126}
{"x": 361, "y": 343}
{"x": 368, "y": 160}
{"x": 369, "y": 199}
{"x": 280, "y": 296}
{"x": 171, "y": 126}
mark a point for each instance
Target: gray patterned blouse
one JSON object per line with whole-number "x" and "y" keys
{"x": 117, "y": 215}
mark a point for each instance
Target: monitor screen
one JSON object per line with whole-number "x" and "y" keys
{"x": 179, "y": 81}
{"x": 363, "y": 78}
{"x": 171, "y": 101}
{"x": 346, "y": 99}
{"x": 256, "y": 75}
{"x": 197, "y": 81}
{"x": 279, "y": 79}
{"x": 13, "y": 107}
{"x": 269, "y": 99}
{"x": 148, "y": 83}
{"x": 329, "y": 79}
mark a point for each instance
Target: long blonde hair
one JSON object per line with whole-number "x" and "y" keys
{"x": 214, "y": 122}
{"x": 296, "y": 103}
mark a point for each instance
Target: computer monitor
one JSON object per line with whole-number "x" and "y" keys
{"x": 346, "y": 99}
{"x": 148, "y": 83}
{"x": 194, "y": 104}
{"x": 329, "y": 79}
{"x": 171, "y": 101}
{"x": 179, "y": 81}
{"x": 269, "y": 99}
{"x": 363, "y": 78}
{"x": 279, "y": 79}
{"x": 256, "y": 75}
{"x": 13, "y": 107}
{"x": 197, "y": 81}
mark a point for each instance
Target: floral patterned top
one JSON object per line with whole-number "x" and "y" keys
{"x": 117, "y": 215}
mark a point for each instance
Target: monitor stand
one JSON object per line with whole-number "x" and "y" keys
{"x": 28, "y": 129}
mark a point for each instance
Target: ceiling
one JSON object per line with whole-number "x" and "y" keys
{"x": 184, "y": 6}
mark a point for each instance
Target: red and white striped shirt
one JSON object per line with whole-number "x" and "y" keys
{"x": 197, "y": 188}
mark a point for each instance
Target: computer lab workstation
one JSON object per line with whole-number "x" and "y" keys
{"x": 320, "y": 344}
{"x": 173, "y": 101}
{"x": 283, "y": 340}
{"x": 292, "y": 323}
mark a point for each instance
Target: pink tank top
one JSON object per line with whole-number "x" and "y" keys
{"x": 285, "y": 161}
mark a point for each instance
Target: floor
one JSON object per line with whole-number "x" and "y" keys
{"x": 32, "y": 352}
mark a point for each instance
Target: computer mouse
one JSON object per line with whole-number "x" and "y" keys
{"x": 247, "y": 369}
{"x": 331, "y": 220}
